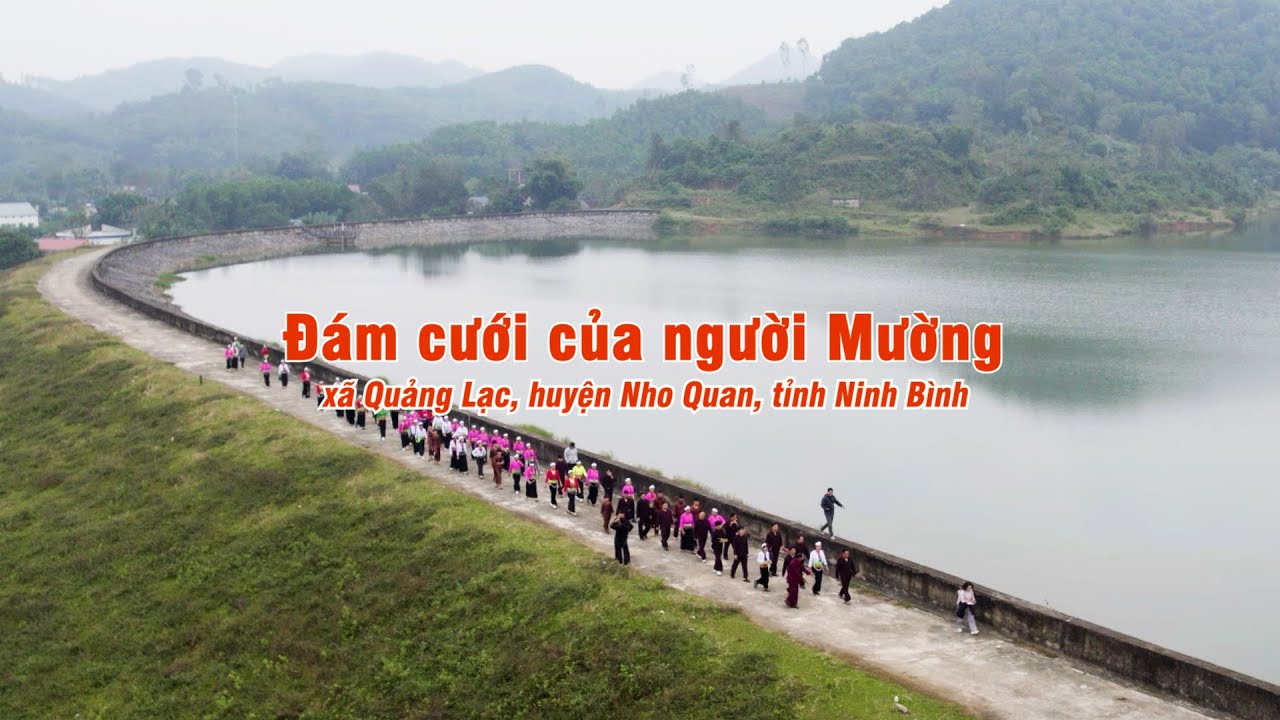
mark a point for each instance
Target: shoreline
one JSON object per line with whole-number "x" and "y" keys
{"x": 715, "y": 213}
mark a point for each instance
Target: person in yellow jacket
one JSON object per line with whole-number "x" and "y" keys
{"x": 579, "y": 473}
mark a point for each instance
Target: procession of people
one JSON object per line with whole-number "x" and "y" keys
{"x": 431, "y": 435}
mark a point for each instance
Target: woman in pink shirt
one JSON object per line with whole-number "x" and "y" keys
{"x": 593, "y": 484}
{"x": 515, "y": 467}
{"x": 265, "y": 367}
{"x": 530, "y": 461}
{"x": 685, "y": 530}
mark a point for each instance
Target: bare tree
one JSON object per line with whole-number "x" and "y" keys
{"x": 784, "y": 54}
{"x": 686, "y": 78}
{"x": 194, "y": 78}
{"x": 803, "y": 46}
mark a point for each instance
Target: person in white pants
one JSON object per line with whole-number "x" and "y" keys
{"x": 965, "y": 602}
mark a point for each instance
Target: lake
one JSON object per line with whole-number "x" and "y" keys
{"x": 1119, "y": 467}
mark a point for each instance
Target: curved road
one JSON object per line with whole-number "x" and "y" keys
{"x": 987, "y": 674}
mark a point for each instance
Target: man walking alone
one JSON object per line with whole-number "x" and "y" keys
{"x": 829, "y": 503}
{"x": 621, "y": 528}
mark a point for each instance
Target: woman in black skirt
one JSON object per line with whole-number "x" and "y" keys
{"x": 531, "y": 486}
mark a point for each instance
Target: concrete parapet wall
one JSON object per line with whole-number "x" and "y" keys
{"x": 122, "y": 274}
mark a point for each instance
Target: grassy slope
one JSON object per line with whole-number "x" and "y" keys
{"x": 171, "y": 549}
{"x": 725, "y": 212}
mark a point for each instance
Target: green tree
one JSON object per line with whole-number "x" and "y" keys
{"x": 551, "y": 179}
{"x": 16, "y": 248}
{"x": 956, "y": 141}
{"x": 119, "y": 208}
{"x": 300, "y": 166}
{"x": 437, "y": 188}
{"x": 505, "y": 201}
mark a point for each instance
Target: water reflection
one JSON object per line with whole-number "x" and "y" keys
{"x": 546, "y": 249}
{"x": 1130, "y": 426}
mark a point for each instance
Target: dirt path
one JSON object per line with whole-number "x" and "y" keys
{"x": 987, "y": 673}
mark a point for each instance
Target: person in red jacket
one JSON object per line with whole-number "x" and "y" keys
{"x": 571, "y": 492}
{"x": 553, "y": 482}
{"x": 796, "y": 570}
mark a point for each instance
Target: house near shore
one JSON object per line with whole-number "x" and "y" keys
{"x": 19, "y": 214}
{"x": 106, "y": 235}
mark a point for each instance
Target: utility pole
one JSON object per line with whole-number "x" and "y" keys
{"x": 235, "y": 126}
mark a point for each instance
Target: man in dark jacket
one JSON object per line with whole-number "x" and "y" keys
{"x": 845, "y": 570}
{"x": 621, "y": 528}
{"x": 740, "y": 550}
{"x": 774, "y": 541}
{"x": 829, "y": 503}
{"x": 719, "y": 546}
{"x": 664, "y": 520}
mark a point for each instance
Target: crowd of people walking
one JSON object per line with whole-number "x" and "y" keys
{"x": 623, "y": 508}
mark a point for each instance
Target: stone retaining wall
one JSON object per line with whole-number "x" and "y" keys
{"x": 1152, "y": 667}
{"x": 136, "y": 266}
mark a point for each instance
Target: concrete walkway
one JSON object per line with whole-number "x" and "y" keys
{"x": 987, "y": 674}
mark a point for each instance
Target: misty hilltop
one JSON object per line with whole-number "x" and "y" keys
{"x": 1030, "y": 114}
{"x": 107, "y": 90}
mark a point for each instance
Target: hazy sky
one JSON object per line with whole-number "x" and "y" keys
{"x": 603, "y": 43}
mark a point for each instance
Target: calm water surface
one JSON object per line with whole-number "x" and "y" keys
{"x": 1120, "y": 467}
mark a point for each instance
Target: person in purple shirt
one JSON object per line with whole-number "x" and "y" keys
{"x": 796, "y": 571}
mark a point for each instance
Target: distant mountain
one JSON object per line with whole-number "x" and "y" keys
{"x": 143, "y": 81}
{"x": 107, "y": 90}
{"x": 530, "y": 92}
{"x": 36, "y": 102}
{"x": 772, "y": 69}
{"x": 211, "y": 128}
{"x": 377, "y": 70}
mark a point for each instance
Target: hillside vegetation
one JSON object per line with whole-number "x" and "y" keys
{"x": 207, "y": 130}
{"x": 1039, "y": 115}
{"x": 1077, "y": 117}
{"x": 169, "y": 548}
{"x": 1197, "y": 74}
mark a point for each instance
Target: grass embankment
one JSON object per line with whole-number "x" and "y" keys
{"x": 723, "y": 212}
{"x": 170, "y": 549}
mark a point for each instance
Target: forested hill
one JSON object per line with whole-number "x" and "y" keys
{"x": 213, "y": 128}
{"x": 1187, "y": 73}
{"x": 208, "y": 129}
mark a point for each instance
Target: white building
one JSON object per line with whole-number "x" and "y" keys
{"x": 17, "y": 214}
{"x": 107, "y": 235}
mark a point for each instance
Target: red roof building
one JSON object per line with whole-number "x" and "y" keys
{"x": 57, "y": 244}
